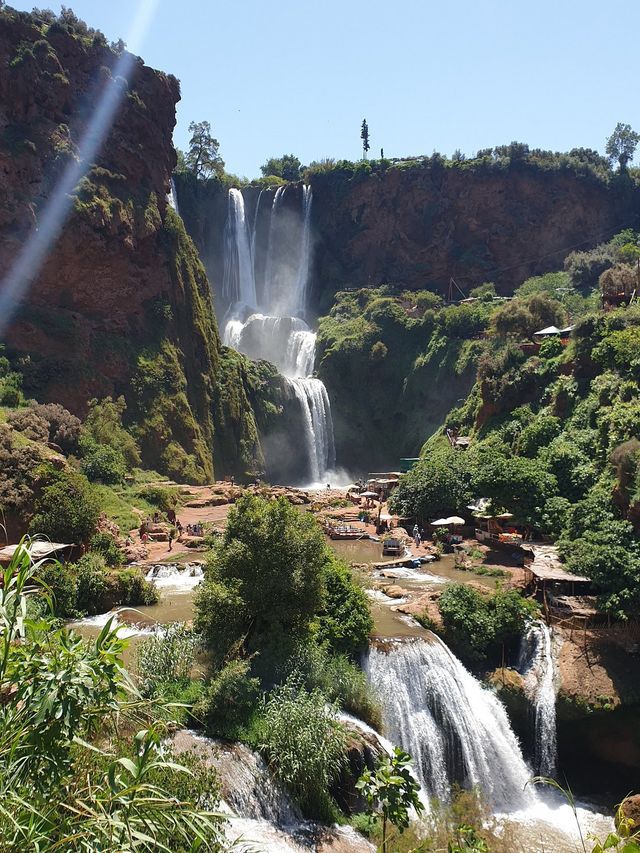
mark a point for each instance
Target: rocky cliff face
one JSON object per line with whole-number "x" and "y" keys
{"x": 418, "y": 227}
{"x": 122, "y": 303}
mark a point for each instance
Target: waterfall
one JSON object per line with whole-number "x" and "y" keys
{"x": 270, "y": 273}
{"x": 238, "y": 281}
{"x": 455, "y": 730}
{"x": 537, "y": 668}
{"x": 318, "y": 425}
{"x": 172, "y": 197}
{"x": 277, "y": 333}
{"x": 305, "y": 250}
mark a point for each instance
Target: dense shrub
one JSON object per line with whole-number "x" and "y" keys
{"x": 166, "y": 657}
{"x": 163, "y": 497}
{"x": 92, "y": 584}
{"x": 64, "y": 428}
{"x": 60, "y": 583}
{"x": 105, "y": 545}
{"x": 228, "y": 700}
{"x": 67, "y": 509}
{"x": 30, "y": 424}
{"x": 104, "y": 464}
{"x": 134, "y": 590}
{"x": 103, "y": 426}
{"x": 344, "y": 622}
{"x": 439, "y": 484}
{"x": 477, "y": 627}
{"x": 304, "y": 745}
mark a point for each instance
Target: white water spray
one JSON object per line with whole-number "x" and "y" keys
{"x": 277, "y": 333}
{"x": 537, "y": 667}
{"x": 455, "y": 730}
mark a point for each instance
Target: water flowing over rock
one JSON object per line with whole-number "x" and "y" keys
{"x": 172, "y": 198}
{"x": 276, "y": 331}
{"x": 455, "y": 730}
{"x": 537, "y": 666}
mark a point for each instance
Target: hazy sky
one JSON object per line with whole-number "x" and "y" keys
{"x": 278, "y": 77}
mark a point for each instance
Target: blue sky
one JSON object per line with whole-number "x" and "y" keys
{"x": 278, "y": 77}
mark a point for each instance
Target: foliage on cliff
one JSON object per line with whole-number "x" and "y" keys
{"x": 555, "y": 441}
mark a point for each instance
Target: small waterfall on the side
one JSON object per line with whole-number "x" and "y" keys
{"x": 277, "y": 331}
{"x": 455, "y": 730}
{"x": 537, "y": 667}
{"x": 172, "y": 197}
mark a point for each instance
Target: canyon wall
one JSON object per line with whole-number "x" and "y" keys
{"x": 122, "y": 303}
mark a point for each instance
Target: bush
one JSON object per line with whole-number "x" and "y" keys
{"x": 134, "y": 590}
{"x": 339, "y": 679}
{"x": 161, "y": 496}
{"x": 67, "y": 510}
{"x": 228, "y": 700}
{"x": 438, "y": 485}
{"x": 60, "y": 582}
{"x": 105, "y": 545}
{"x": 304, "y": 745}
{"x": 30, "y": 424}
{"x": 104, "y": 464}
{"x": 92, "y": 585}
{"x": 103, "y": 426}
{"x": 478, "y": 627}
{"x": 345, "y": 620}
{"x": 64, "y": 428}
{"x": 167, "y": 657}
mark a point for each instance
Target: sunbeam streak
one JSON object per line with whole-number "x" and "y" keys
{"x": 38, "y": 245}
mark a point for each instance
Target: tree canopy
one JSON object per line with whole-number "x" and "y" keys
{"x": 287, "y": 167}
{"x": 621, "y": 145}
{"x": 202, "y": 157}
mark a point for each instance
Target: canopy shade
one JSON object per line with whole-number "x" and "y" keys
{"x": 448, "y": 522}
{"x": 550, "y": 330}
{"x": 368, "y": 494}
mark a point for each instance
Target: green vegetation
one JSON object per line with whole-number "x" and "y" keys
{"x": 554, "y": 432}
{"x": 390, "y": 792}
{"x": 67, "y": 508}
{"x": 286, "y": 167}
{"x": 61, "y": 698}
{"x": 483, "y": 628}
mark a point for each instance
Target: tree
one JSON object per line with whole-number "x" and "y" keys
{"x": 518, "y": 484}
{"x": 621, "y": 145}
{"x": 67, "y": 510}
{"x": 364, "y": 136}
{"x": 265, "y": 582}
{"x": 287, "y": 167}
{"x": 390, "y": 792}
{"x": 203, "y": 158}
{"x": 438, "y": 485}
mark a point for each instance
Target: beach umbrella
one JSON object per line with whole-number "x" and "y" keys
{"x": 368, "y": 494}
{"x": 454, "y": 519}
{"x": 440, "y": 522}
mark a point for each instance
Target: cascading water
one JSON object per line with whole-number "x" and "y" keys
{"x": 277, "y": 332}
{"x": 172, "y": 197}
{"x": 455, "y": 730}
{"x": 238, "y": 282}
{"x": 537, "y": 667}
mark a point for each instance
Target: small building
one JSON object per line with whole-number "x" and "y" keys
{"x": 392, "y": 548}
{"x": 563, "y": 594}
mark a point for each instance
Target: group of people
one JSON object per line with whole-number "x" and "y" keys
{"x": 418, "y": 535}
{"x": 176, "y": 529}
{"x": 194, "y": 529}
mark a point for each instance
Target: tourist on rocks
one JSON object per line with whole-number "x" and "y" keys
{"x": 171, "y": 516}
{"x": 172, "y": 534}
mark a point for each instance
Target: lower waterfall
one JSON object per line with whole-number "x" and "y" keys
{"x": 456, "y": 731}
{"x": 536, "y": 666}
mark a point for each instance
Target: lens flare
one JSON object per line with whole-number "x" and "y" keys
{"x": 41, "y": 241}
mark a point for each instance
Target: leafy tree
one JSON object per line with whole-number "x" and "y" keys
{"x": 92, "y": 584}
{"x": 518, "y": 484}
{"x": 621, "y": 145}
{"x": 345, "y": 620}
{"x": 364, "y": 136}
{"x": 104, "y": 464}
{"x": 64, "y": 428}
{"x": 287, "y": 167}
{"x": 265, "y": 581}
{"x": 390, "y": 792}
{"x": 439, "y": 484}
{"x": 202, "y": 157}
{"x": 103, "y": 426}
{"x": 228, "y": 700}
{"x": 67, "y": 509}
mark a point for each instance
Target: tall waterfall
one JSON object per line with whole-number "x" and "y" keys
{"x": 455, "y": 730}
{"x": 264, "y": 319}
{"x": 536, "y": 665}
{"x": 238, "y": 282}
